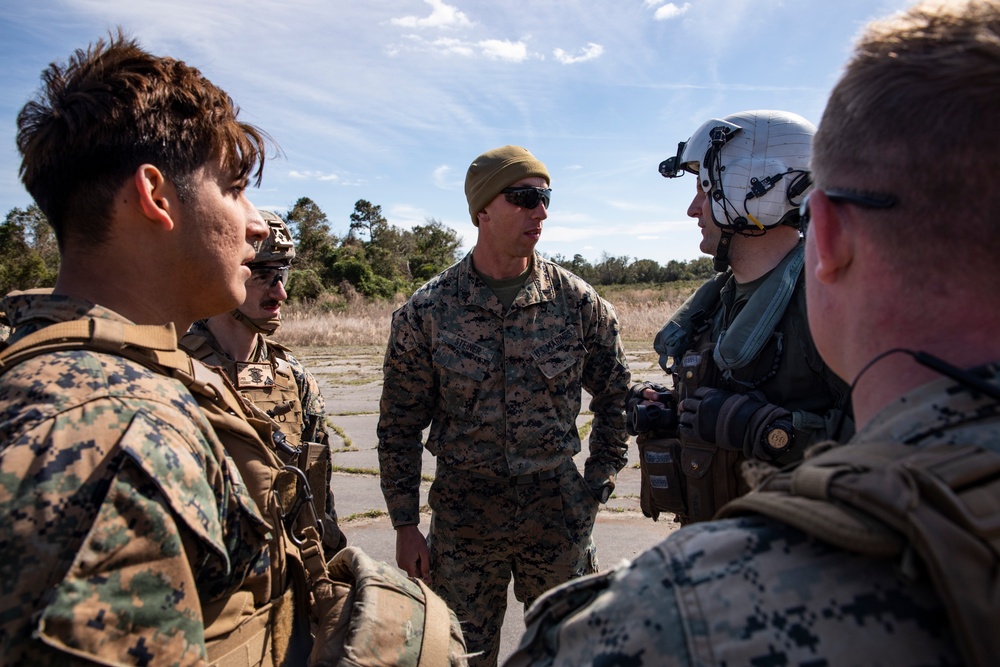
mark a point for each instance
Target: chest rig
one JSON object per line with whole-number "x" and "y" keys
{"x": 933, "y": 509}
{"x": 266, "y": 621}
{"x": 269, "y": 384}
{"x": 694, "y": 479}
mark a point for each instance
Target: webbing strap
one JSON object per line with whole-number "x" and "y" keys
{"x": 251, "y": 643}
{"x": 95, "y": 333}
{"x": 437, "y": 630}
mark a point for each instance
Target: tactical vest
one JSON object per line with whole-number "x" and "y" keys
{"x": 270, "y": 385}
{"x": 694, "y": 479}
{"x": 265, "y": 622}
{"x": 938, "y": 503}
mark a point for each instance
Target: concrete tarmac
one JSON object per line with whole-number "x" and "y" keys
{"x": 352, "y": 386}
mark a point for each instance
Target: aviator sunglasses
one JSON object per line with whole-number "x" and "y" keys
{"x": 268, "y": 276}
{"x": 527, "y": 196}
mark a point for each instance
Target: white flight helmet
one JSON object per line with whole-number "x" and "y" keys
{"x": 755, "y": 167}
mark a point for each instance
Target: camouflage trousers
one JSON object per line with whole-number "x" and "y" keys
{"x": 483, "y": 531}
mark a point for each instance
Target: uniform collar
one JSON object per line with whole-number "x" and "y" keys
{"x": 30, "y": 310}
{"x": 934, "y": 412}
{"x": 537, "y": 288}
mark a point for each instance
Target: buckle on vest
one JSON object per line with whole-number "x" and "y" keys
{"x": 303, "y": 497}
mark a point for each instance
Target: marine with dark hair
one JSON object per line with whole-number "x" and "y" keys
{"x": 883, "y": 550}
{"x": 141, "y": 498}
{"x": 493, "y": 355}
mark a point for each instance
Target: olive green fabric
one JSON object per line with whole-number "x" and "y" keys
{"x": 495, "y": 170}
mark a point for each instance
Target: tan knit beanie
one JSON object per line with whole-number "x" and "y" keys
{"x": 495, "y": 170}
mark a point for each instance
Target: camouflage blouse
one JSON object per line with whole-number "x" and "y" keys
{"x": 755, "y": 591}
{"x": 121, "y": 513}
{"x": 500, "y": 390}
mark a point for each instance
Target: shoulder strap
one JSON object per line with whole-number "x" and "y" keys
{"x": 232, "y": 418}
{"x": 940, "y": 502}
{"x": 280, "y": 349}
{"x": 142, "y": 343}
{"x": 679, "y": 332}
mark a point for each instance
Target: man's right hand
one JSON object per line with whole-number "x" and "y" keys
{"x": 412, "y": 555}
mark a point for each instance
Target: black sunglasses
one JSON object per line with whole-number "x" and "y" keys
{"x": 527, "y": 197}
{"x": 268, "y": 276}
{"x": 862, "y": 199}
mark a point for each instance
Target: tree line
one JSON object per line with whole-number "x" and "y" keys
{"x": 375, "y": 258}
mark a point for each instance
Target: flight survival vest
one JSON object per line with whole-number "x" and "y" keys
{"x": 938, "y": 502}
{"x": 266, "y": 622}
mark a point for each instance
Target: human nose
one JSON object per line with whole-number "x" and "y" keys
{"x": 278, "y": 292}
{"x": 257, "y": 229}
{"x": 697, "y": 204}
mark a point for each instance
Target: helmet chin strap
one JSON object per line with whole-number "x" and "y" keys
{"x": 721, "y": 259}
{"x": 262, "y": 325}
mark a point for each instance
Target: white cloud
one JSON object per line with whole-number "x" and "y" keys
{"x": 670, "y": 11}
{"x": 503, "y": 49}
{"x": 443, "y": 178}
{"x": 567, "y": 234}
{"x": 592, "y": 51}
{"x": 406, "y": 216}
{"x": 442, "y": 16}
{"x": 458, "y": 47}
{"x": 312, "y": 176}
{"x": 494, "y": 49}
{"x": 653, "y": 3}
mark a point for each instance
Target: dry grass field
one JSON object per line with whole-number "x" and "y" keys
{"x": 354, "y": 322}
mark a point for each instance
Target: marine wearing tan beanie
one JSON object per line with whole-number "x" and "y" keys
{"x": 495, "y": 170}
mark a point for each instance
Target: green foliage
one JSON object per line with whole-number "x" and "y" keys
{"x": 313, "y": 240}
{"x": 623, "y": 271}
{"x": 435, "y": 248}
{"x": 360, "y": 275}
{"x": 304, "y": 285}
{"x": 375, "y": 259}
{"x": 29, "y": 252}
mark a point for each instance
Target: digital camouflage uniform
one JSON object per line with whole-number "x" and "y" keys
{"x": 501, "y": 393}
{"x": 788, "y": 371}
{"x": 114, "y": 492}
{"x": 298, "y": 408}
{"x": 756, "y": 591}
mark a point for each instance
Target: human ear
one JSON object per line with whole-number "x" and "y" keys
{"x": 156, "y": 195}
{"x": 829, "y": 235}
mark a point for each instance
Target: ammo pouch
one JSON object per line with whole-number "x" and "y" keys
{"x": 712, "y": 478}
{"x": 939, "y": 503}
{"x": 691, "y": 480}
{"x": 661, "y": 483}
{"x": 375, "y": 615}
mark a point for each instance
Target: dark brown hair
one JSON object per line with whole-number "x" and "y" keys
{"x": 112, "y": 108}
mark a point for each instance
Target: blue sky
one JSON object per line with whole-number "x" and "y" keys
{"x": 390, "y": 100}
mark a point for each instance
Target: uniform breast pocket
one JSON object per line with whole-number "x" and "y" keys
{"x": 560, "y": 354}
{"x": 461, "y": 366}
